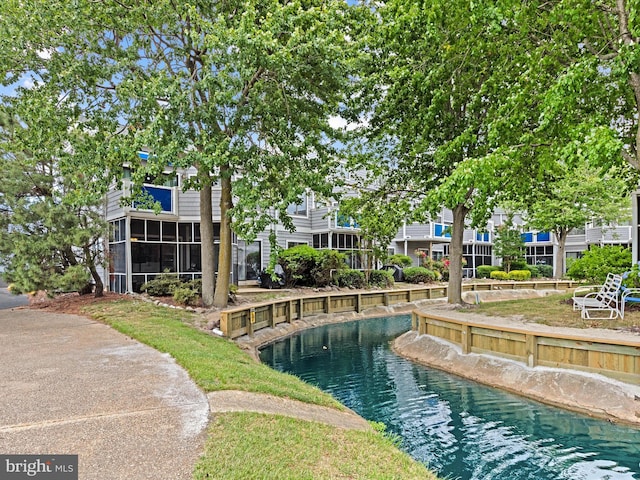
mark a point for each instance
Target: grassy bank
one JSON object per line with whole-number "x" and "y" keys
{"x": 246, "y": 445}
{"x": 553, "y": 310}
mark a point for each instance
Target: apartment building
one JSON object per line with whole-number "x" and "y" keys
{"x": 144, "y": 244}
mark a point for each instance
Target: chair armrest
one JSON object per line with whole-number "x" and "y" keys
{"x": 586, "y": 288}
{"x": 630, "y": 292}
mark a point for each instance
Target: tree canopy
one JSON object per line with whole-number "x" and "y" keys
{"x": 48, "y": 240}
{"x": 436, "y": 76}
{"x": 241, "y": 90}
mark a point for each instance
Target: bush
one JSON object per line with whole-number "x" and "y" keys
{"x": 349, "y": 278}
{"x": 161, "y": 286}
{"x": 196, "y": 285}
{"x": 499, "y": 275}
{"x": 75, "y": 279}
{"x": 519, "y": 275}
{"x": 418, "y": 275}
{"x": 381, "y": 278}
{"x": 484, "y": 271}
{"x": 518, "y": 265}
{"x": 597, "y": 262}
{"x": 327, "y": 262}
{"x": 298, "y": 263}
{"x": 306, "y": 266}
{"x": 185, "y": 295}
{"x": 545, "y": 271}
{"x": 631, "y": 279}
{"x": 400, "y": 260}
{"x": 534, "y": 270}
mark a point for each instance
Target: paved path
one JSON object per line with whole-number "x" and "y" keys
{"x": 9, "y": 300}
{"x": 69, "y": 385}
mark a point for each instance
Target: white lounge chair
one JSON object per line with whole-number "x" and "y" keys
{"x": 604, "y": 298}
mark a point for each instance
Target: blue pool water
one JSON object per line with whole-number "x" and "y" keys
{"x": 460, "y": 429}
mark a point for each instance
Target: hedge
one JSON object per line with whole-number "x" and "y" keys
{"x": 418, "y": 275}
{"x": 519, "y": 275}
{"x": 484, "y": 271}
{"x": 499, "y": 275}
{"x": 349, "y": 278}
{"x": 381, "y": 278}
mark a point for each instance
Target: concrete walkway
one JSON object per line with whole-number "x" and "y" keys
{"x": 69, "y": 385}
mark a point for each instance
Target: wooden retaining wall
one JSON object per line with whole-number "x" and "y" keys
{"x": 613, "y": 358}
{"x": 236, "y": 322}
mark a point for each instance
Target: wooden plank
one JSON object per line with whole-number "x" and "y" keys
{"x": 531, "y": 347}
{"x": 465, "y": 339}
{"x": 590, "y": 345}
{"x": 490, "y": 332}
{"x": 224, "y": 324}
{"x": 499, "y": 354}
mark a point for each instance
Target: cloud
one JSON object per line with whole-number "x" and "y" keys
{"x": 339, "y": 123}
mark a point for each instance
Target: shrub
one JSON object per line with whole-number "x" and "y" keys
{"x": 161, "y": 286}
{"x": 597, "y": 262}
{"x": 185, "y": 295}
{"x": 484, "y": 271}
{"x": 327, "y": 262}
{"x": 518, "y": 265}
{"x": 545, "y": 271}
{"x": 418, "y": 275}
{"x": 196, "y": 285}
{"x": 400, "y": 260}
{"x": 349, "y": 278}
{"x": 499, "y": 275}
{"x": 298, "y": 263}
{"x": 535, "y": 271}
{"x": 381, "y": 278}
{"x": 75, "y": 279}
{"x": 519, "y": 275}
{"x": 631, "y": 279}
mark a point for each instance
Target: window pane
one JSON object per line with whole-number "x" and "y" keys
{"x": 253, "y": 261}
{"x": 190, "y": 260}
{"x": 185, "y": 232}
{"x": 137, "y": 229}
{"x": 196, "y": 230}
{"x": 153, "y": 230}
{"x": 117, "y": 257}
{"x": 168, "y": 259}
{"x": 324, "y": 240}
{"x": 168, "y": 232}
{"x": 145, "y": 257}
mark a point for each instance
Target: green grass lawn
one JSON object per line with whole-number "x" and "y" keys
{"x": 248, "y": 445}
{"x": 554, "y": 310}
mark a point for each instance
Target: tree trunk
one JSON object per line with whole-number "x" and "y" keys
{"x": 91, "y": 264}
{"x": 558, "y": 267}
{"x": 207, "y": 241}
{"x": 455, "y": 254}
{"x": 221, "y": 297}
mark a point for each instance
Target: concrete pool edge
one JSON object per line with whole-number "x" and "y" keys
{"x": 586, "y": 393}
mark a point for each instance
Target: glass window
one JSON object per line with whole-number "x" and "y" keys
{"x": 196, "y": 232}
{"x": 117, "y": 254}
{"x": 145, "y": 257}
{"x": 185, "y": 232}
{"x": 168, "y": 232}
{"x": 253, "y": 260}
{"x": 153, "y": 230}
{"x": 298, "y": 208}
{"x": 137, "y": 229}
{"x": 168, "y": 259}
{"x": 190, "y": 259}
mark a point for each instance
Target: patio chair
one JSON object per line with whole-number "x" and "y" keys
{"x": 629, "y": 295}
{"x": 606, "y": 299}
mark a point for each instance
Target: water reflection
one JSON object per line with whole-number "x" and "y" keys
{"x": 459, "y": 428}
